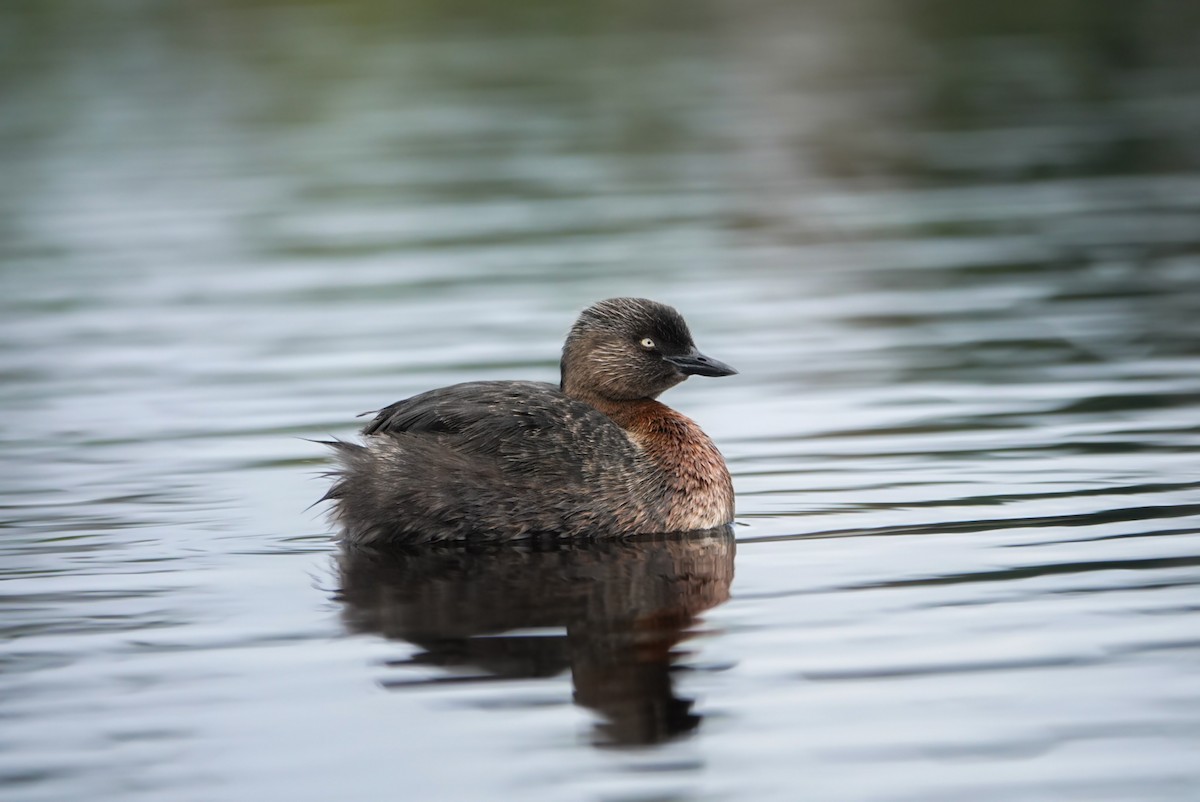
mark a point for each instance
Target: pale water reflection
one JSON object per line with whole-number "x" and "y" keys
{"x": 953, "y": 251}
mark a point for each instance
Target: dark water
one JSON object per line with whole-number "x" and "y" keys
{"x": 954, "y": 250}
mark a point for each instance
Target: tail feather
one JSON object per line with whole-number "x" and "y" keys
{"x": 344, "y": 451}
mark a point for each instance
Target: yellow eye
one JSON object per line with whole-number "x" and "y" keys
{"x": 647, "y": 342}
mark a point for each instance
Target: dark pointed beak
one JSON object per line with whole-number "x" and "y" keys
{"x": 697, "y": 364}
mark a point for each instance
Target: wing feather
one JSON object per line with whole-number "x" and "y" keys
{"x": 529, "y": 428}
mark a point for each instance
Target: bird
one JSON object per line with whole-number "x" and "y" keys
{"x": 595, "y": 456}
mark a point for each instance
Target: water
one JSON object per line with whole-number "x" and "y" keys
{"x": 955, "y": 257}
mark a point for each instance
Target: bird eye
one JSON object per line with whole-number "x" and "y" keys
{"x": 647, "y": 342}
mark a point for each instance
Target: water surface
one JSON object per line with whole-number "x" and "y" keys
{"x": 955, "y": 257}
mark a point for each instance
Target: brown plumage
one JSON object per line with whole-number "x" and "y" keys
{"x": 595, "y": 456}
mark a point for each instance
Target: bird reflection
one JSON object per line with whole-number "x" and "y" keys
{"x": 625, "y": 605}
